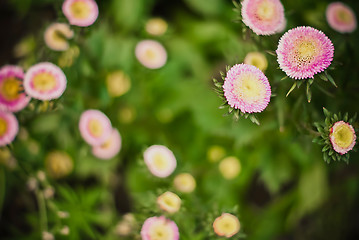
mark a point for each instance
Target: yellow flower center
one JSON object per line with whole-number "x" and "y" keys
{"x": 80, "y": 10}
{"x": 3, "y": 127}
{"x": 266, "y": 10}
{"x": 160, "y": 232}
{"x": 10, "y": 88}
{"x": 343, "y": 136}
{"x": 256, "y": 59}
{"x": 226, "y": 225}
{"x": 249, "y": 88}
{"x": 160, "y": 161}
{"x": 150, "y": 54}
{"x": 59, "y": 36}
{"x": 95, "y": 128}
{"x": 44, "y": 82}
{"x": 344, "y": 17}
{"x": 107, "y": 144}
{"x": 306, "y": 50}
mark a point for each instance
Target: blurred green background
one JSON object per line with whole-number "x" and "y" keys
{"x": 284, "y": 190}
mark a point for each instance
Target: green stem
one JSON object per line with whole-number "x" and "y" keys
{"x": 42, "y": 210}
{"x": 2, "y": 189}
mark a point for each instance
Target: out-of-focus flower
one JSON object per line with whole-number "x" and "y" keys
{"x": 9, "y": 128}
{"x": 81, "y": 13}
{"x": 155, "y": 228}
{"x": 41, "y": 176}
{"x": 169, "y": 202}
{"x": 342, "y": 137}
{"x": 303, "y": 52}
{"x": 49, "y": 192}
{"x": 126, "y": 226}
{"x": 63, "y": 214}
{"x": 247, "y": 88}
{"x": 184, "y": 182}
{"x": 151, "y": 54}
{"x": 32, "y": 184}
{"x": 25, "y": 47}
{"x": 230, "y": 167}
{"x": 118, "y": 83}
{"x": 11, "y": 97}
{"x": 95, "y": 127}
{"x": 56, "y": 36}
{"x": 127, "y": 114}
{"x": 110, "y": 148}
{"x": 23, "y": 134}
{"x": 156, "y": 26}
{"x": 256, "y": 59}
{"x": 164, "y": 115}
{"x": 47, "y": 236}
{"x": 45, "y": 81}
{"x": 226, "y": 225}
{"x": 264, "y": 17}
{"x": 33, "y": 147}
{"x": 341, "y": 17}
{"x": 215, "y": 153}
{"x": 58, "y": 164}
{"x": 65, "y": 231}
{"x": 7, "y": 159}
{"x": 67, "y": 58}
{"x": 160, "y": 160}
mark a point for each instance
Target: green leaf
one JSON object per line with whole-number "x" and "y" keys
{"x": 330, "y": 79}
{"x": 309, "y": 92}
{"x": 254, "y": 119}
{"x": 326, "y": 112}
{"x": 292, "y": 88}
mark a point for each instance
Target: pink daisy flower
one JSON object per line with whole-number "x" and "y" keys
{"x": 155, "y": 228}
{"x": 11, "y": 96}
{"x": 226, "y": 225}
{"x": 247, "y": 88}
{"x": 9, "y": 128}
{"x": 341, "y": 17}
{"x": 81, "y": 13}
{"x": 110, "y": 148}
{"x": 95, "y": 127}
{"x": 342, "y": 137}
{"x": 56, "y": 36}
{"x": 303, "y": 52}
{"x": 160, "y": 160}
{"x": 45, "y": 81}
{"x": 264, "y": 17}
{"x": 151, "y": 54}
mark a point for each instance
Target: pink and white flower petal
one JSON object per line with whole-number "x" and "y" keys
{"x": 303, "y": 52}
{"x": 12, "y": 97}
{"x": 341, "y": 17}
{"x": 56, "y": 36}
{"x": 226, "y": 225}
{"x": 110, "y": 148}
{"x": 247, "y": 88}
{"x": 45, "y": 81}
{"x": 9, "y": 128}
{"x": 155, "y": 228}
{"x": 342, "y": 137}
{"x": 264, "y": 17}
{"x": 160, "y": 160}
{"x": 81, "y": 13}
{"x": 151, "y": 54}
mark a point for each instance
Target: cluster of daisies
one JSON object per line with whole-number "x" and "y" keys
{"x": 302, "y": 53}
{"x": 161, "y": 162}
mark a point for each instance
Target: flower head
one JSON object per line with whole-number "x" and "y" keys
{"x": 160, "y": 160}
{"x": 81, "y": 13}
{"x": 45, "y": 81}
{"x": 226, "y": 225}
{"x": 9, "y": 128}
{"x": 156, "y": 26}
{"x": 56, "y": 36}
{"x": 256, "y": 59}
{"x": 184, "y": 182}
{"x": 264, "y": 17}
{"x": 58, "y": 164}
{"x": 159, "y": 228}
{"x": 11, "y": 97}
{"x": 341, "y": 17}
{"x": 342, "y": 137}
{"x": 95, "y": 127}
{"x": 169, "y": 202}
{"x": 303, "y": 52}
{"x": 118, "y": 83}
{"x": 110, "y": 148}
{"x": 247, "y": 88}
{"x": 151, "y": 54}
{"x": 230, "y": 167}
{"x": 215, "y": 153}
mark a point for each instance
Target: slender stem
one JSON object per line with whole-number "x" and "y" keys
{"x": 42, "y": 210}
